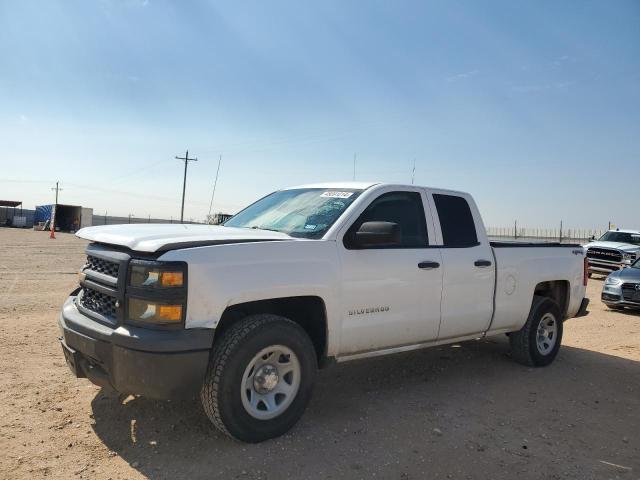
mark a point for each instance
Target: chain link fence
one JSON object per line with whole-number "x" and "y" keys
{"x": 515, "y": 232}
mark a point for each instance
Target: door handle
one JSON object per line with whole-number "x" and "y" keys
{"x": 428, "y": 265}
{"x": 482, "y": 263}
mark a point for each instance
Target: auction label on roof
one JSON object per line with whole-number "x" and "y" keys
{"x": 337, "y": 194}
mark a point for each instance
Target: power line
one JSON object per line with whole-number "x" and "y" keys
{"x": 184, "y": 182}
{"x": 215, "y": 182}
{"x": 138, "y": 171}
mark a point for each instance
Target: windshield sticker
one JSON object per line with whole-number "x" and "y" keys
{"x": 310, "y": 227}
{"x": 337, "y": 194}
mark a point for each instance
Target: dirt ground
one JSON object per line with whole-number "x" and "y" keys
{"x": 464, "y": 411}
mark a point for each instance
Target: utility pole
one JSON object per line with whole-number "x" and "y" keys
{"x": 57, "y": 189}
{"x": 354, "y": 167}
{"x": 52, "y": 233}
{"x": 215, "y": 182}
{"x": 184, "y": 183}
{"x": 560, "y": 239}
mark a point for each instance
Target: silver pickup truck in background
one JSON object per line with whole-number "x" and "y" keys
{"x": 613, "y": 251}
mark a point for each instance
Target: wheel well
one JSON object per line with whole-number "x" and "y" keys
{"x": 308, "y": 312}
{"x": 557, "y": 290}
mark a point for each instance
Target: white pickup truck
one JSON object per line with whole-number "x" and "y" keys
{"x": 245, "y": 313}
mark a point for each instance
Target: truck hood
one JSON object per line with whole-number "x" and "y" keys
{"x": 623, "y": 247}
{"x": 164, "y": 237}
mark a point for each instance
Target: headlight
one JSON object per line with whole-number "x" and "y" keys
{"x": 156, "y": 294}
{"x": 613, "y": 281}
{"x": 154, "y": 313}
{"x": 628, "y": 257}
{"x": 153, "y": 275}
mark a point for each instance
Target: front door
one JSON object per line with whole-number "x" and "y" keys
{"x": 391, "y": 295}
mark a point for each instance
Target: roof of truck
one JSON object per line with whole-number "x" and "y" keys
{"x": 333, "y": 185}
{"x": 625, "y": 230}
{"x": 365, "y": 185}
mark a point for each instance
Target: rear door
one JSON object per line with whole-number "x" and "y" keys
{"x": 391, "y": 296}
{"x": 469, "y": 271}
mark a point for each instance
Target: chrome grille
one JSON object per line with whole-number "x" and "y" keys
{"x": 102, "y": 266}
{"x": 98, "y": 302}
{"x": 604, "y": 254}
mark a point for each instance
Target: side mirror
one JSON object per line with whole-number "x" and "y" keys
{"x": 377, "y": 234}
{"x": 593, "y": 237}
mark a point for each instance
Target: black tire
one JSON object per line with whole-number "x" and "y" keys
{"x": 524, "y": 342}
{"x": 231, "y": 355}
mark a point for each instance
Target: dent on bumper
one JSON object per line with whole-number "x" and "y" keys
{"x": 154, "y": 363}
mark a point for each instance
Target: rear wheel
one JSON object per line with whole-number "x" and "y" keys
{"x": 260, "y": 378}
{"x": 538, "y": 342}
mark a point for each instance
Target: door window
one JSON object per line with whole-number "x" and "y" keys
{"x": 456, "y": 221}
{"x": 403, "y": 208}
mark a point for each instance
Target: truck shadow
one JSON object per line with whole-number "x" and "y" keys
{"x": 463, "y": 408}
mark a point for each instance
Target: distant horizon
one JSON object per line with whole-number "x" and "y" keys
{"x": 533, "y": 108}
{"x": 524, "y": 231}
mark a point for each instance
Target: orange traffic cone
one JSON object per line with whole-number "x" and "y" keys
{"x": 52, "y": 234}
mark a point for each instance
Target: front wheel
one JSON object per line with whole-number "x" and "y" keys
{"x": 260, "y": 378}
{"x": 537, "y": 343}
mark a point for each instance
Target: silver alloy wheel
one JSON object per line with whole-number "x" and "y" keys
{"x": 270, "y": 382}
{"x": 547, "y": 333}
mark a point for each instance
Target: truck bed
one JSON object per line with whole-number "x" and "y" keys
{"x": 516, "y": 244}
{"x": 521, "y": 266}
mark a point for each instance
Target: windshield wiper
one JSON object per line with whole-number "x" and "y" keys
{"x": 255, "y": 227}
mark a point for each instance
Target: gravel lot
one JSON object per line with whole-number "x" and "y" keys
{"x": 463, "y": 411}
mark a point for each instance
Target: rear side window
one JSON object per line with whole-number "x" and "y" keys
{"x": 456, "y": 221}
{"x": 405, "y": 209}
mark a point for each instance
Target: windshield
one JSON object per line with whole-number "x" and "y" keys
{"x": 636, "y": 264}
{"x": 621, "y": 237}
{"x": 304, "y": 212}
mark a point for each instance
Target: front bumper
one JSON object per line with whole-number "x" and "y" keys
{"x": 153, "y": 363}
{"x": 606, "y": 266}
{"x": 613, "y": 296}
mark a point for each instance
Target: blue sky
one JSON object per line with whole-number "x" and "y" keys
{"x": 533, "y": 107}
